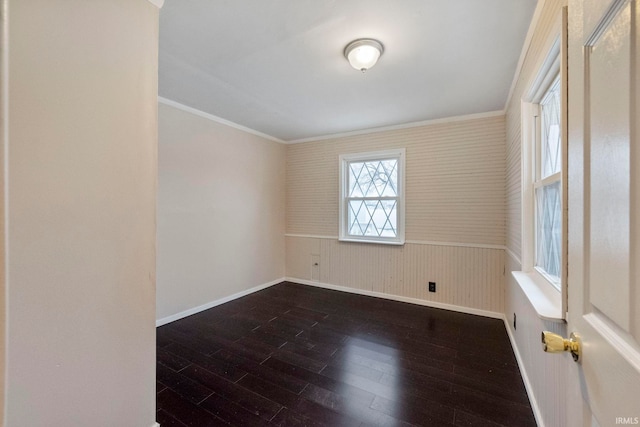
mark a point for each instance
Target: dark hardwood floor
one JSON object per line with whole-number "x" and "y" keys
{"x": 295, "y": 355}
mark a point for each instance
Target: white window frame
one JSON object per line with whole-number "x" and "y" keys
{"x": 537, "y": 180}
{"x": 344, "y": 161}
{"x": 547, "y": 297}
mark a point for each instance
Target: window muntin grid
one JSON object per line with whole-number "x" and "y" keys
{"x": 547, "y": 187}
{"x": 549, "y": 230}
{"x": 377, "y": 178}
{"x": 551, "y": 156}
{"x": 372, "y": 197}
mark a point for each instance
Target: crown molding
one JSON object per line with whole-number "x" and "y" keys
{"x": 402, "y": 126}
{"x": 525, "y": 50}
{"x": 229, "y": 123}
{"x": 216, "y": 119}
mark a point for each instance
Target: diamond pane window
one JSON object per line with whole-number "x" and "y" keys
{"x": 373, "y": 218}
{"x": 547, "y": 187}
{"x": 550, "y": 132}
{"x": 549, "y": 229}
{"x": 371, "y": 200}
{"x": 373, "y": 179}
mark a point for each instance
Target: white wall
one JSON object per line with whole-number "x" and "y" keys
{"x": 81, "y": 213}
{"x": 454, "y": 215}
{"x": 221, "y": 200}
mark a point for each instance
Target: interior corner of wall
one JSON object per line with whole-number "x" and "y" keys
{"x": 157, "y": 3}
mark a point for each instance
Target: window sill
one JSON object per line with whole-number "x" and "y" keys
{"x": 545, "y": 299}
{"x": 379, "y": 242}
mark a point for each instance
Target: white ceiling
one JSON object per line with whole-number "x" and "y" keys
{"x": 277, "y": 66}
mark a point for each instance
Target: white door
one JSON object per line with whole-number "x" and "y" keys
{"x": 604, "y": 205}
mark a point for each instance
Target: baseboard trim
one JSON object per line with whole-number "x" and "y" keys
{"x": 525, "y": 377}
{"x": 433, "y": 304}
{"x": 217, "y": 302}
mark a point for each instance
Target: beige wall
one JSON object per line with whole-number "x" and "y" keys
{"x": 220, "y": 211}
{"x": 546, "y": 30}
{"x": 3, "y": 145}
{"x": 454, "y": 181}
{"x": 547, "y": 375}
{"x": 81, "y": 213}
{"x": 454, "y": 215}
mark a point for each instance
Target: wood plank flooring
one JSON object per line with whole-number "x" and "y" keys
{"x": 295, "y": 355}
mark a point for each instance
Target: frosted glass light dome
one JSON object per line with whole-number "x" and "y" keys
{"x": 363, "y": 54}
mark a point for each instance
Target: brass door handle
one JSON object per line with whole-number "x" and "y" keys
{"x": 554, "y": 343}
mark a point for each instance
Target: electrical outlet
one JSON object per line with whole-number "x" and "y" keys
{"x": 432, "y": 286}
{"x": 514, "y": 321}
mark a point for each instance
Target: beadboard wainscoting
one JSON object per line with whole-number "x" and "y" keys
{"x": 544, "y": 375}
{"x": 469, "y": 277}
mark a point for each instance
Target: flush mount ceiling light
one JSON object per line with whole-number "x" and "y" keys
{"x": 363, "y": 54}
